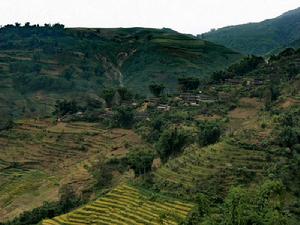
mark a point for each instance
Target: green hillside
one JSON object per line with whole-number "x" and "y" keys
{"x": 221, "y": 152}
{"x": 39, "y": 65}
{"x": 259, "y": 38}
{"x": 233, "y": 155}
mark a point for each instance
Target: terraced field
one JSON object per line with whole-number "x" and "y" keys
{"x": 219, "y": 166}
{"x": 38, "y": 157}
{"x": 126, "y": 205}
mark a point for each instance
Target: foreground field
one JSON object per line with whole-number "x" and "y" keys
{"x": 127, "y": 205}
{"x": 38, "y": 157}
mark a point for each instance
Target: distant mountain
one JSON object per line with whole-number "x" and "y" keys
{"x": 259, "y": 38}
{"x": 39, "y": 65}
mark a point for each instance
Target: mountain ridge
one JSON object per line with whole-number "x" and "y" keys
{"x": 259, "y": 38}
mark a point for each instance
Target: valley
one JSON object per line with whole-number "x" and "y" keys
{"x": 148, "y": 126}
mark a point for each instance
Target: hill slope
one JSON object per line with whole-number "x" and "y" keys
{"x": 39, "y": 65}
{"x": 127, "y": 205}
{"x": 259, "y": 38}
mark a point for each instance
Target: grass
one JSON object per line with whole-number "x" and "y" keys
{"x": 127, "y": 205}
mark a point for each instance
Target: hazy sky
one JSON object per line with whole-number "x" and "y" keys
{"x": 189, "y": 16}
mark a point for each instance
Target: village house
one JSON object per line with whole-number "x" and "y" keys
{"x": 195, "y": 98}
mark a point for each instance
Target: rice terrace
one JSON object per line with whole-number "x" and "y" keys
{"x": 139, "y": 112}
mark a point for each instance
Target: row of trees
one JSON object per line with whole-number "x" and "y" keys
{"x": 27, "y": 25}
{"x": 185, "y": 84}
{"x": 245, "y": 66}
{"x": 122, "y": 94}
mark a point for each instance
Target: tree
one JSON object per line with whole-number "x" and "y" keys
{"x": 69, "y": 73}
{"x": 188, "y": 83}
{"x": 123, "y": 117}
{"x": 246, "y": 65}
{"x": 203, "y": 203}
{"x": 58, "y": 26}
{"x": 102, "y": 173}
{"x": 6, "y": 123}
{"x": 27, "y": 25}
{"x": 261, "y": 206}
{"x": 125, "y": 94}
{"x": 65, "y": 107}
{"x": 68, "y": 198}
{"x": 288, "y": 137}
{"x": 171, "y": 142}
{"x": 140, "y": 160}
{"x": 156, "y": 89}
{"x": 209, "y": 133}
{"x": 221, "y": 76}
{"x": 108, "y": 96}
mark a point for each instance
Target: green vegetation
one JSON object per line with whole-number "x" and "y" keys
{"x": 204, "y": 150}
{"x": 156, "y": 89}
{"x": 188, "y": 83}
{"x": 209, "y": 133}
{"x": 127, "y": 205}
{"x": 42, "y": 64}
{"x": 141, "y": 160}
{"x": 171, "y": 142}
{"x": 68, "y": 200}
{"x": 259, "y": 38}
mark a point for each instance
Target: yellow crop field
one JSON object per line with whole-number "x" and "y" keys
{"x": 127, "y": 205}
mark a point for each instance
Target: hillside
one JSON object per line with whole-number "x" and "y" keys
{"x": 39, "y": 65}
{"x": 259, "y": 38}
{"x": 233, "y": 153}
{"x": 206, "y": 156}
{"x": 38, "y": 158}
{"x": 220, "y": 152}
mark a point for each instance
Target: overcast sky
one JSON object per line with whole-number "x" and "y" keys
{"x": 188, "y": 16}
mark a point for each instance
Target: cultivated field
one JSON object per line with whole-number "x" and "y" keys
{"x": 38, "y": 157}
{"x": 127, "y": 205}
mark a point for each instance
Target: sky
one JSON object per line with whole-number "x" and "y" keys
{"x": 186, "y": 16}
